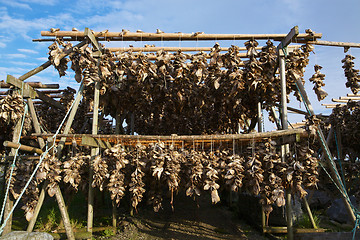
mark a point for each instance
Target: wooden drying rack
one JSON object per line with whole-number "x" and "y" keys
{"x": 187, "y": 141}
{"x": 94, "y": 38}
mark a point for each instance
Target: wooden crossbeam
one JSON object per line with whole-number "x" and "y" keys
{"x": 352, "y": 95}
{"x": 182, "y": 49}
{"x": 215, "y": 137}
{"x": 22, "y": 147}
{"x": 3, "y": 84}
{"x": 28, "y": 91}
{"x": 332, "y": 44}
{"x": 142, "y": 36}
{"x": 339, "y": 100}
{"x": 350, "y": 98}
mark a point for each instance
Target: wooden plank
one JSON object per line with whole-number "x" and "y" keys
{"x": 350, "y": 98}
{"x": 239, "y": 137}
{"x": 35, "y": 122}
{"x": 294, "y": 32}
{"x": 3, "y": 84}
{"x": 94, "y": 153}
{"x": 88, "y": 33}
{"x": 70, "y": 120}
{"x": 332, "y": 105}
{"x": 352, "y": 95}
{"x": 93, "y": 142}
{"x": 332, "y": 44}
{"x": 339, "y": 100}
{"x": 42, "y": 145}
{"x": 28, "y": 91}
{"x": 182, "y": 49}
{"x": 137, "y": 36}
{"x": 22, "y": 147}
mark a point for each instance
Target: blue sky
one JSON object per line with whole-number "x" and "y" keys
{"x": 22, "y": 20}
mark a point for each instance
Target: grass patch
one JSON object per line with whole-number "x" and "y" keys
{"x": 305, "y": 222}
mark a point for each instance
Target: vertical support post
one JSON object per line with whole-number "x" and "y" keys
{"x": 9, "y": 202}
{"x": 259, "y": 114}
{"x": 285, "y": 148}
{"x": 70, "y": 120}
{"x": 94, "y": 153}
{"x": 42, "y": 145}
{"x": 35, "y": 122}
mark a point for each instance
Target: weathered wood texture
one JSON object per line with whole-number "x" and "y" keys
{"x": 137, "y": 36}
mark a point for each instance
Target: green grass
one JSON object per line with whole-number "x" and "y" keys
{"x": 305, "y": 222}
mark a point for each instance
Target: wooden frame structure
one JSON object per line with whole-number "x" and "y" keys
{"x": 30, "y": 91}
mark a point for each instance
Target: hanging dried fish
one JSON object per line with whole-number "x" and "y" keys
{"x": 351, "y": 74}
{"x": 317, "y": 78}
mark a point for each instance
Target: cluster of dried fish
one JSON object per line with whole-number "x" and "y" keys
{"x": 186, "y": 94}
{"x": 351, "y": 74}
{"x": 49, "y": 116}
{"x": 296, "y": 63}
{"x": 12, "y": 109}
{"x": 346, "y": 120}
{"x": 317, "y": 78}
{"x": 20, "y": 176}
{"x": 144, "y": 171}
{"x": 56, "y": 58}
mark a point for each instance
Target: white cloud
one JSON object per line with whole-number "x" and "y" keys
{"x": 14, "y": 27}
{"x": 2, "y": 45}
{"x": 15, "y": 55}
{"x": 42, "y": 59}
{"x": 27, "y": 51}
{"x": 4, "y": 71}
{"x": 16, "y": 4}
{"x": 22, "y": 63}
{"x": 41, "y": 2}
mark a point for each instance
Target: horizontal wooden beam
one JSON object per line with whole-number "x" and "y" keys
{"x": 350, "y": 98}
{"x": 332, "y": 44}
{"x": 182, "y": 49}
{"x": 142, "y": 36}
{"x": 28, "y": 91}
{"x": 332, "y": 105}
{"x": 240, "y": 137}
{"x": 22, "y": 147}
{"x": 3, "y": 84}
{"x": 339, "y": 100}
{"x": 352, "y": 95}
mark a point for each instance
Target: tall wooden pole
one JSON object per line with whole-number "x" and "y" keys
{"x": 94, "y": 153}
{"x": 284, "y": 152}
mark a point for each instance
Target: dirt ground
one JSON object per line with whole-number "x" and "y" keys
{"x": 208, "y": 222}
